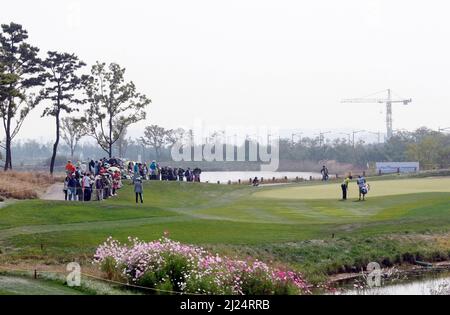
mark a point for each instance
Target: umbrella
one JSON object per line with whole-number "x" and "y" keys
{"x": 113, "y": 169}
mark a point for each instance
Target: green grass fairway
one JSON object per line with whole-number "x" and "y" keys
{"x": 377, "y": 189}
{"x": 401, "y": 220}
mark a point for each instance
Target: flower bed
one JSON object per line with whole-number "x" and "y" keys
{"x": 167, "y": 265}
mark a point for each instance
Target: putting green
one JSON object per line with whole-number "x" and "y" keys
{"x": 377, "y": 188}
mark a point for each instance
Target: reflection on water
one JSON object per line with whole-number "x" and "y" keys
{"x": 224, "y": 177}
{"x": 428, "y": 284}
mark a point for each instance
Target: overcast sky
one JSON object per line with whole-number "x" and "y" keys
{"x": 282, "y": 63}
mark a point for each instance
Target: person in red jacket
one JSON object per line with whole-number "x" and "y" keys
{"x": 70, "y": 168}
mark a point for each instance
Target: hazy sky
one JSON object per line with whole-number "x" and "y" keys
{"x": 283, "y": 63}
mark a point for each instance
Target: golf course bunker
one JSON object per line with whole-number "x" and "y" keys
{"x": 377, "y": 188}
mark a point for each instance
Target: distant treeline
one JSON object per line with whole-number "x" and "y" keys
{"x": 430, "y": 148}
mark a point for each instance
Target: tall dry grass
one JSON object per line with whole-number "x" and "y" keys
{"x": 24, "y": 185}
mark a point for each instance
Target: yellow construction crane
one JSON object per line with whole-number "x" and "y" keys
{"x": 388, "y": 100}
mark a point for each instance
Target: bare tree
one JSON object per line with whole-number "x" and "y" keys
{"x": 122, "y": 143}
{"x": 155, "y": 137}
{"x": 72, "y": 130}
{"x": 113, "y": 104}
{"x": 175, "y": 135}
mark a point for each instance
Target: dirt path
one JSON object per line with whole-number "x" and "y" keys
{"x": 54, "y": 192}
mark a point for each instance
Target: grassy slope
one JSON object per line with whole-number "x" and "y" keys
{"x": 13, "y": 285}
{"x": 242, "y": 220}
{"x": 24, "y": 283}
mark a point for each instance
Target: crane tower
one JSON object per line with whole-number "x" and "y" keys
{"x": 388, "y": 100}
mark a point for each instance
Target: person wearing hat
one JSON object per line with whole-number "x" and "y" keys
{"x": 324, "y": 172}
{"x": 362, "y": 186}
{"x": 138, "y": 189}
{"x": 99, "y": 187}
{"x": 153, "y": 169}
{"x": 344, "y": 186}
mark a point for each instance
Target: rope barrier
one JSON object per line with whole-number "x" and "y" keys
{"x": 36, "y": 272}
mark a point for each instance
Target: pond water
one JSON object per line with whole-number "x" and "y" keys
{"x": 427, "y": 283}
{"x": 224, "y": 177}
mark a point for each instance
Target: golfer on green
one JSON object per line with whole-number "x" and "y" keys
{"x": 344, "y": 187}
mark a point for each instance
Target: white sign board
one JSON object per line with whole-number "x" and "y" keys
{"x": 394, "y": 167}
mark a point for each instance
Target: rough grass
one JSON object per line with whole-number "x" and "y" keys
{"x": 351, "y": 253}
{"x": 24, "y": 185}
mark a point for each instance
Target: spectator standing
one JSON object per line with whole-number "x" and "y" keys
{"x": 66, "y": 186}
{"x": 98, "y": 187}
{"x": 72, "y": 188}
{"x": 138, "y": 189}
{"x": 86, "y": 185}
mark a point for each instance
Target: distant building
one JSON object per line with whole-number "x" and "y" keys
{"x": 397, "y": 167}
